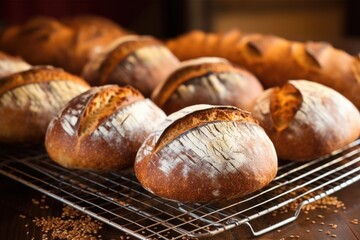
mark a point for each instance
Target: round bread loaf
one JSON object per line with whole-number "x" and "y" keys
{"x": 102, "y": 129}
{"x": 306, "y": 120}
{"x": 30, "y": 99}
{"x": 207, "y": 81}
{"x": 138, "y": 61}
{"x": 206, "y": 153}
{"x": 10, "y": 65}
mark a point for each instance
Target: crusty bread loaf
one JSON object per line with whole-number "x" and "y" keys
{"x": 102, "y": 129}
{"x": 10, "y": 65}
{"x": 30, "y": 99}
{"x": 207, "y": 81}
{"x": 275, "y": 60}
{"x": 67, "y": 43}
{"x": 92, "y": 34}
{"x": 206, "y": 153}
{"x": 306, "y": 120}
{"x": 139, "y": 61}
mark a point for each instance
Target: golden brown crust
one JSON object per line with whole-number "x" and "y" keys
{"x": 207, "y": 81}
{"x": 274, "y": 60}
{"x": 120, "y": 53}
{"x": 284, "y": 103}
{"x": 38, "y": 75}
{"x": 41, "y": 40}
{"x": 198, "y": 118}
{"x": 30, "y": 99}
{"x": 138, "y": 61}
{"x": 101, "y": 129}
{"x": 103, "y": 104}
{"x": 320, "y": 120}
{"x": 219, "y": 159}
{"x": 182, "y": 75}
{"x": 67, "y": 43}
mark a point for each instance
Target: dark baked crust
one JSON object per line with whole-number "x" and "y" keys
{"x": 214, "y": 153}
{"x": 207, "y": 81}
{"x": 322, "y": 122}
{"x": 102, "y": 129}
{"x": 30, "y": 99}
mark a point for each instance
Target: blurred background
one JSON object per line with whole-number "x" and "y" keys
{"x": 336, "y": 21}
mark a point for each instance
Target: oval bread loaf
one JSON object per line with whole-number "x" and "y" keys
{"x": 30, "y": 99}
{"x": 306, "y": 120}
{"x": 139, "y": 61}
{"x": 207, "y": 81}
{"x": 206, "y": 153}
{"x": 102, "y": 129}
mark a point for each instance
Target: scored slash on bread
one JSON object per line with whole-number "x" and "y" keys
{"x": 30, "y": 99}
{"x": 284, "y": 103}
{"x": 38, "y": 74}
{"x": 306, "y": 120}
{"x": 105, "y": 103}
{"x": 189, "y": 70}
{"x": 207, "y": 81}
{"x": 274, "y": 60}
{"x": 138, "y": 61}
{"x": 211, "y": 153}
{"x": 102, "y": 129}
{"x": 198, "y": 118}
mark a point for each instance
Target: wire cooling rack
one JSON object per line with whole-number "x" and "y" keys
{"x": 118, "y": 199}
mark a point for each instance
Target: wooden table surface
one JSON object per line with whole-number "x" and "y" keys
{"x": 17, "y": 210}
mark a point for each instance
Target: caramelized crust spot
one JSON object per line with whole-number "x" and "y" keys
{"x": 104, "y": 103}
{"x": 201, "y": 117}
{"x": 284, "y": 103}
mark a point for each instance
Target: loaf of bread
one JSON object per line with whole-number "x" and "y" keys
{"x": 275, "y": 60}
{"x": 30, "y": 99}
{"x": 207, "y": 81}
{"x": 67, "y": 43}
{"x": 206, "y": 153}
{"x": 139, "y": 61}
{"x": 10, "y": 65}
{"x": 102, "y": 129}
{"x": 306, "y": 120}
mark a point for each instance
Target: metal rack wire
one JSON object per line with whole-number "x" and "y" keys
{"x": 118, "y": 199}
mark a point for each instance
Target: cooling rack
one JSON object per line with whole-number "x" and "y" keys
{"x": 118, "y": 199}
